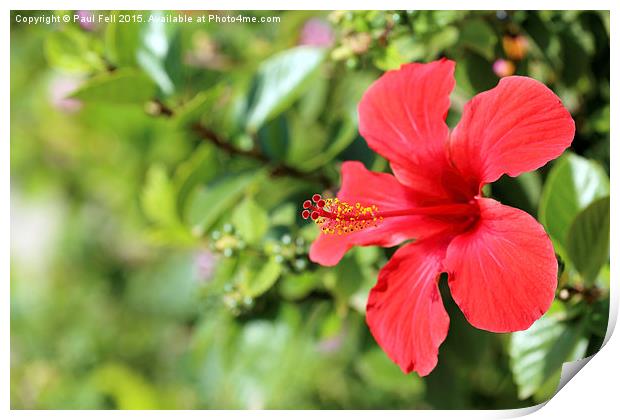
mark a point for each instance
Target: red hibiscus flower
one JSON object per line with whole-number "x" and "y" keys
{"x": 500, "y": 263}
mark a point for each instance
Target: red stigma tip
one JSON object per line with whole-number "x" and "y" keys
{"x": 314, "y": 215}
{"x": 307, "y": 204}
{"x": 321, "y": 203}
{"x": 305, "y": 214}
{"x": 316, "y": 197}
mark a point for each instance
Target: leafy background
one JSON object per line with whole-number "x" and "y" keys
{"x": 158, "y": 259}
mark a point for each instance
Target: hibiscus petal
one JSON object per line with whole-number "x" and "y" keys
{"x": 402, "y": 116}
{"x": 384, "y": 191}
{"x": 516, "y": 127}
{"x": 503, "y": 272}
{"x": 405, "y": 312}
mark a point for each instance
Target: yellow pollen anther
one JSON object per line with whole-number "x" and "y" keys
{"x": 339, "y": 217}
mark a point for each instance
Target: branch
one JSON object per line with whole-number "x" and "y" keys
{"x": 279, "y": 169}
{"x": 589, "y": 294}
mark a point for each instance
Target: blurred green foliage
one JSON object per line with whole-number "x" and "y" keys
{"x": 158, "y": 260}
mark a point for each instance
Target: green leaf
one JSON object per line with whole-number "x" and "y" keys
{"x": 601, "y": 120}
{"x": 537, "y": 354}
{"x": 478, "y": 36}
{"x": 599, "y": 317}
{"x": 390, "y": 58}
{"x": 257, "y": 284}
{"x": 345, "y": 279}
{"x": 345, "y": 134}
{"x": 153, "y": 52}
{"x": 284, "y": 214}
{"x": 479, "y": 70}
{"x": 201, "y": 167}
{"x": 174, "y": 64}
{"x": 150, "y": 45}
{"x": 199, "y": 105}
{"x": 312, "y": 103}
{"x": 588, "y": 239}
{"x": 122, "y": 41}
{"x": 274, "y": 191}
{"x": 575, "y": 60}
{"x": 522, "y": 191}
{"x": 441, "y": 40}
{"x": 273, "y": 138}
{"x": 121, "y": 87}
{"x": 159, "y": 197}
{"x": 379, "y": 371}
{"x": 331, "y": 326}
{"x": 343, "y": 128}
{"x": 573, "y": 183}
{"x": 167, "y": 288}
{"x": 129, "y": 390}
{"x": 250, "y": 220}
{"x": 152, "y": 66}
{"x": 307, "y": 139}
{"x": 426, "y": 46}
{"x": 297, "y": 286}
{"x": 347, "y": 94}
{"x": 71, "y": 50}
{"x": 207, "y": 204}
{"x": 281, "y": 80}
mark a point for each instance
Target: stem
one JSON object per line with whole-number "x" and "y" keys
{"x": 279, "y": 169}
{"x": 589, "y": 294}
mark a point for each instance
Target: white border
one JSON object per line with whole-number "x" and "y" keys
{"x": 593, "y": 394}
{"x": 310, "y": 5}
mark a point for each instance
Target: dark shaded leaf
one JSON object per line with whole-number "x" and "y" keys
{"x": 281, "y": 80}
{"x": 588, "y": 239}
